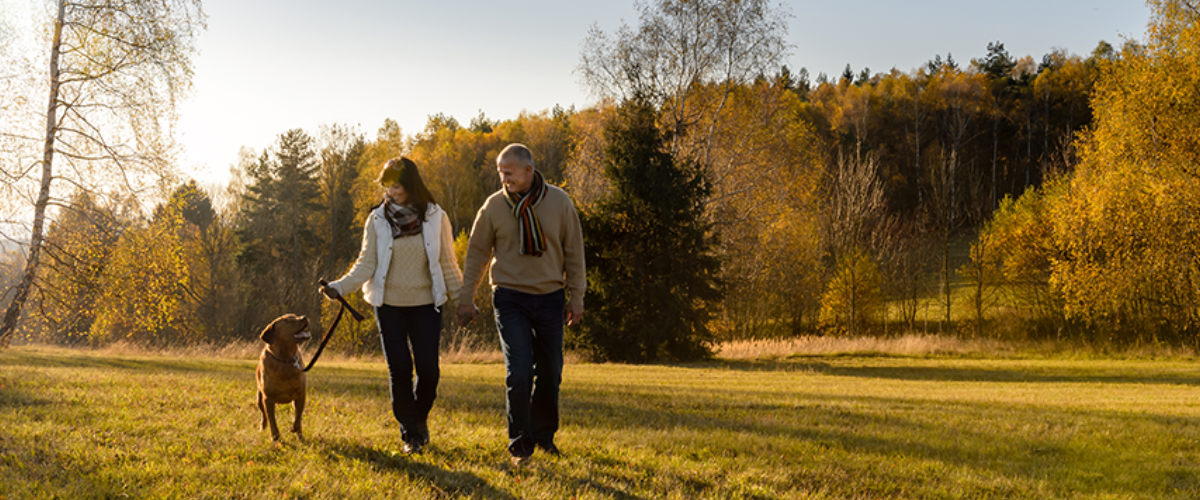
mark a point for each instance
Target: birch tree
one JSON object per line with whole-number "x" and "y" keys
{"x": 678, "y": 45}
{"x": 114, "y": 71}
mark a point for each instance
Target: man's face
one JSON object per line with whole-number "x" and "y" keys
{"x": 515, "y": 175}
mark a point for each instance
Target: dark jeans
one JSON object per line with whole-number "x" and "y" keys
{"x": 410, "y": 338}
{"x": 531, "y": 335}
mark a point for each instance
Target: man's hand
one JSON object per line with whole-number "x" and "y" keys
{"x": 467, "y": 313}
{"x": 574, "y": 314}
{"x": 329, "y": 292}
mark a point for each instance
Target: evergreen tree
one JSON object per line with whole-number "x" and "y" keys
{"x": 281, "y": 247}
{"x": 652, "y": 270}
{"x": 194, "y": 204}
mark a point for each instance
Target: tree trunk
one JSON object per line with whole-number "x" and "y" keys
{"x": 9, "y": 324}
{"x": 946, "y": 274}
{"x": 995, "y": 154}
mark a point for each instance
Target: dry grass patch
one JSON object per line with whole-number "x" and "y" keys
{"x": 906, "y": 345}
{"x": 916, "y": 344}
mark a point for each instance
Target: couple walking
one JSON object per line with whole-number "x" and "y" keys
{"x": 529, "y": 234}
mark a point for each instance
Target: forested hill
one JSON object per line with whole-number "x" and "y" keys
{"x": 831, "y": 202}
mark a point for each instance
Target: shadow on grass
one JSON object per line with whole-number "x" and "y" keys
{"x": 66, "y": 359}
{"x": 17, "y": 396}
{"x": 1040, "y": 447}
{"x": 444, "y": 482}
{"x": 946, "y": 374}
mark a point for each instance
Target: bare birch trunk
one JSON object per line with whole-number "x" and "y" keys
{"x": 9, "y": 324}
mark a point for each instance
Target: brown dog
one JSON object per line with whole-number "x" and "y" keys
{"x": 280, "y": 372}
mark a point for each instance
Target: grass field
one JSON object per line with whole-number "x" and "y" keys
{"x": 82, "y": 424}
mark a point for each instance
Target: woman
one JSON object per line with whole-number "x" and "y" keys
{"x": 406, "y": 269}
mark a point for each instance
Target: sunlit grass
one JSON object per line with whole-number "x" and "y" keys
{"x": 97, "y": 425}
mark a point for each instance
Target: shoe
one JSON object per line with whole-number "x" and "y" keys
{"x": 423, "y": 432}
{"x": 549, "y": 448}
{"x": 518, "y": 460}
{"x": 412, "y": 448}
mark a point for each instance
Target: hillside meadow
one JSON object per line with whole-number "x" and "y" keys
{"x": 879, "y": 422}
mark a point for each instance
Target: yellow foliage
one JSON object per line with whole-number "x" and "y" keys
{"x": 145, "y": 284}
{"x": 1127, "y": 223}
{"x": 854, "y": 296}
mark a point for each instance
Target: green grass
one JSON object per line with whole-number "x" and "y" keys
{"x": 79, "y": 424}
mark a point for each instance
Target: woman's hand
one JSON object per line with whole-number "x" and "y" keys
{"x": 467, "y": 313}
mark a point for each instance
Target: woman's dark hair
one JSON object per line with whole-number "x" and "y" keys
{"x": 404, "y": 171}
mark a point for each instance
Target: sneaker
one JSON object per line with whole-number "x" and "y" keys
{"x": 518, "y": 460}
{"x": 412, "y": 447}
{"x": 550, "y": 449}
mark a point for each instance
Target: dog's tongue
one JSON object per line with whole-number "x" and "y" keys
{"x": 304, "y": 335}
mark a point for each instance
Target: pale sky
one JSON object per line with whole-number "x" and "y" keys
{"x": 267, "y": 66}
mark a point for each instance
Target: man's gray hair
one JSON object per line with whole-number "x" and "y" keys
{"x": 517, "y": 152}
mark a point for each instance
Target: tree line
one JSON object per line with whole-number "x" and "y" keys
{"x": 763, "y": 202}
{"x": 1107, "y": 251}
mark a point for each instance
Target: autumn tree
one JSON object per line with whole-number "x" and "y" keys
{"x": 454, "y": 161}
{"x": 147, "y": 284}
{"x": 340, "y": 154}
{"x": 678, "y": 44}
{"x": 584, "y": 170}
{"x": 1127, "y": 224}
{"x": 114, "y": 72}
{"x": 853, "y": 213}
{"x": 687, "y": 58}
{"x": 78, "y": 249}
{"x": 1019, "y": 243}
{"x": 389, "y": 143}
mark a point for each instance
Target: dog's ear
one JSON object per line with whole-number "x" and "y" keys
{"x": 268, "y": 334}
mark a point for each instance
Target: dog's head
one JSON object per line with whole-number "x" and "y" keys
{"x": 286, "y": 331}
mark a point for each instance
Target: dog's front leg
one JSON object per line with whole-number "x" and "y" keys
{"x": 271, "y": 419}
{"x": 296, "y": 428}
{"x": 262, "y": 410}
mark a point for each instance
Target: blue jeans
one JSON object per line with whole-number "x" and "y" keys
{"x": 531, "y": 335}
{"x": 410, "y": 337}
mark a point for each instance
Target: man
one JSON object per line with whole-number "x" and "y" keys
{"x": 529, "y": 233}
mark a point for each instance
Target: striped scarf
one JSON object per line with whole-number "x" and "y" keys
{"x": 402, "y": 218}
{"x": 533, "y": 241}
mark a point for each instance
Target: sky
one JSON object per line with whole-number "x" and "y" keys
{"x": 267, "y": 66}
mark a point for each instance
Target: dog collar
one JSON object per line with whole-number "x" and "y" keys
{"x": 295, "y": 361}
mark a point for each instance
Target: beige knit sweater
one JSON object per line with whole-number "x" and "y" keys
{"x": 407, "y": 280}
{"x": 495, "y": 240}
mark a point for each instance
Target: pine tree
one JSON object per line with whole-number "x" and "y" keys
{"x": 652, "y": 270}
{"x": 281, "y": 245}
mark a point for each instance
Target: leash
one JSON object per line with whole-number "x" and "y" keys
{"x": 333, "y": 326}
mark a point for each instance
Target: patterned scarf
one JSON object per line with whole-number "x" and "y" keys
{"x": 533, "y": 242}
{"x": 402, "y": 218}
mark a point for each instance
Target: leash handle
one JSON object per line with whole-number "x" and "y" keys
{"x": 328, "y": 335}
{"x": 346, "y": 305}
{"x": 332, "y": 326}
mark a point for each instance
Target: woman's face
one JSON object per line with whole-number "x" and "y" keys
{"x": 396, "y": 193}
